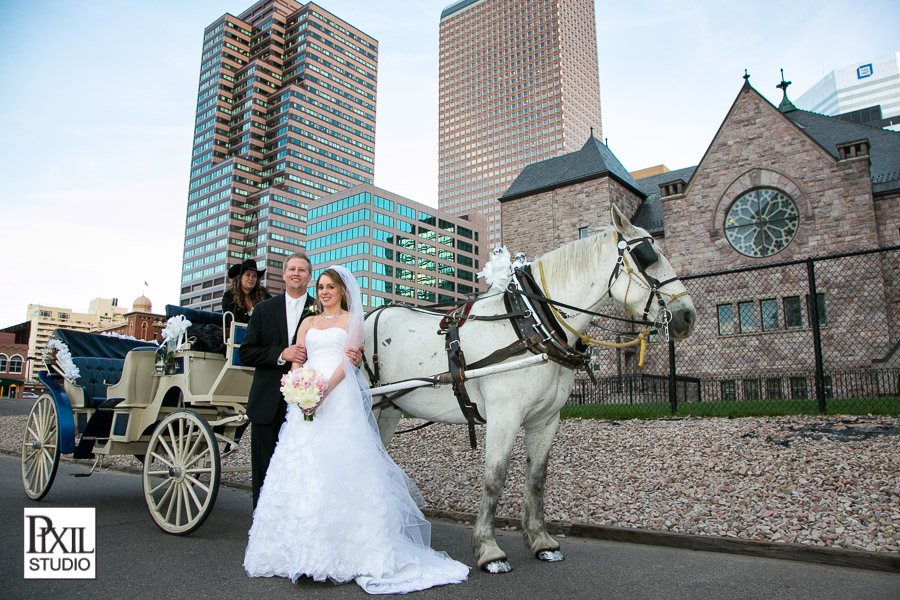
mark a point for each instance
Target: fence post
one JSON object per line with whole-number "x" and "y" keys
{"x": 817, "y": 335}
{"x": 673, "y": 390}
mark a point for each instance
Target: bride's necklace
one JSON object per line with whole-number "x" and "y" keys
{"x": 338, "y": 313}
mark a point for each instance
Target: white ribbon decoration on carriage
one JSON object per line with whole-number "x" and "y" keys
{"x": 64, "y": 360}
{"x": 497, "y": 272}
{"x": 175, "y": 334}
{"x": 122, "y": 336}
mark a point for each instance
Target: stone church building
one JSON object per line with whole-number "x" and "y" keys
{"x": 776, "y": 186}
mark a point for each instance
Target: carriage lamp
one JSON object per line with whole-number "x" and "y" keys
{"x": 165, "y": 362}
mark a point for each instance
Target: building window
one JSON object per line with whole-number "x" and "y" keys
{"x": 773, "y": 389}
{"x": 762, "y": 222}
{"x": 820, "y": 307}
{"x": 799, "y": 390}
{"x": 769, "y": 309}
{"x": 582, "y": 233}
{"x": 15, "y": 364}
{"x": 793, "y": 313}
{"x": 751, "y": 390}
{"x": 729, "y": 390}
{"x": 726, "y": 319}
{"x": 748, "y": 317}
{"x": 3, "y": 363}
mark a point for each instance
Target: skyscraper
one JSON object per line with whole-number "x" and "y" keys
{"x": 285, "y": 115}
{"x": 519, "y": 83}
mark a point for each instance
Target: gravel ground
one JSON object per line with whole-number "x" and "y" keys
{"x": 824, "y": 481}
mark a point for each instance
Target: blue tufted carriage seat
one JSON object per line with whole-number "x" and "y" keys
{"x": 99, "y": 359}
{"x": 195, "y": 316}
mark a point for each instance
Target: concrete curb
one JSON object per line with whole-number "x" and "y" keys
{"x": 838, "y": 557}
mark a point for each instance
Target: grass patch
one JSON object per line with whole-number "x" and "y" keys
{"x": 768, "y": 408}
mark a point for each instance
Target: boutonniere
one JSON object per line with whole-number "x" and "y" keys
{"x": 311, "y": 310}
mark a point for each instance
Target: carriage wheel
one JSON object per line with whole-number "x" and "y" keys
{"x": 181, "y": 472}
{"x": 40, "y": 448}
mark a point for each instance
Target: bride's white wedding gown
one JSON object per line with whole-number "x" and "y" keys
{"x": 334, "y": 505}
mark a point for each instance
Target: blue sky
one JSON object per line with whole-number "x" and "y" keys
{"x": 98, "y": 96}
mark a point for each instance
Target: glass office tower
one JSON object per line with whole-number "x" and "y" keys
{"x": 400, "y": 251}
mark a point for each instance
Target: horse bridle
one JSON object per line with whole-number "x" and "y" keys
{"x": 644, "y": 256}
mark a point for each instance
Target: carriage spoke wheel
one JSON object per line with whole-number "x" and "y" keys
{"x": 181, "y": 472}
{"x": 40, "y": 448}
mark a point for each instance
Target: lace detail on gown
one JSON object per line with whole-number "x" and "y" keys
{"x": 334, "y": 505}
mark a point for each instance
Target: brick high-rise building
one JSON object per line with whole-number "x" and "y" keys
{"x": 285, "y": 115}
{"x": 519, "y": 84}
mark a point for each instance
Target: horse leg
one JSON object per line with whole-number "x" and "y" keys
{"x": 387, "y": 419}
{"x": 537, "y": 451}
{"x": 500, "y": 438}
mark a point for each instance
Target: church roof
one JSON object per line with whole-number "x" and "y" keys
{"x": 828, "y": 132}
{"x": 594, "y": 160}
{"x": 650, "y": 213}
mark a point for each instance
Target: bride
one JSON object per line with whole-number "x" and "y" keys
{"x": 334, "y": 505}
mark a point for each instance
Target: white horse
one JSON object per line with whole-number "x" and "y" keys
{"x": 579, "y": 274}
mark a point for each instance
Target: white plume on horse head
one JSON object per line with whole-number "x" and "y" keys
{"x": 497, "y": 272}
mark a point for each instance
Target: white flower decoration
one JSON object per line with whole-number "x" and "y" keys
{"x": 64, "y": 359}
{"x": 497, "y": 272}
{"x": 175, "y": 332}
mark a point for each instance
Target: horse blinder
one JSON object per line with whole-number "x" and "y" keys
{"x": 644, "y": 254}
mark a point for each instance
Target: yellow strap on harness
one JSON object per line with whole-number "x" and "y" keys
{"x": 587, "y": 341}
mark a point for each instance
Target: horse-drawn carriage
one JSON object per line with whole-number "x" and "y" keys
{"x": 178, "y": 412}
{"x": 180, "y": 420}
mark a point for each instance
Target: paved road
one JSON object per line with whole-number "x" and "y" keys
{"x": 135, "y": 560}
{"x": 15, "y": 406}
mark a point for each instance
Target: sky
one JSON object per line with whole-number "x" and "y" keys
{"x": 97, "y": 103}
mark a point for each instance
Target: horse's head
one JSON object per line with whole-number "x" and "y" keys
{"x": 643, "y": 280}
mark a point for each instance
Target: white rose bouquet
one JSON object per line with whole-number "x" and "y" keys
{"x": 306, "y": 388}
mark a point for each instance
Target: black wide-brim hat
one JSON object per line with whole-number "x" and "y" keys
{"x": 247, "y": 265}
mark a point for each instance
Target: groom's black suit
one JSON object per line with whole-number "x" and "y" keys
{"x": 265, "y": 340}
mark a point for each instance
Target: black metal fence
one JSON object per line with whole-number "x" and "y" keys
{"x": 821, "y": 332}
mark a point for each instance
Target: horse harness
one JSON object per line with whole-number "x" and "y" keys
{"x": 536, "y": 320}
{"x": 538, "y": 332}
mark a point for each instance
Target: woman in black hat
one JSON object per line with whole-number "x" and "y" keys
{"x": 244, "y": 292}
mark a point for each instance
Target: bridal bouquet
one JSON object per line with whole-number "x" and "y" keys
{"x": 306, "y": 388}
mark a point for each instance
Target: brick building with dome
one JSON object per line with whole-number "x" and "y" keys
{"x": 141, "y": 323}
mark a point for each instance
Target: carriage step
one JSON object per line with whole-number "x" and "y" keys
{"x": 98, "y": 464}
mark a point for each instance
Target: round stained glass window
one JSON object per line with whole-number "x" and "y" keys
{"x": 761, "y": 222}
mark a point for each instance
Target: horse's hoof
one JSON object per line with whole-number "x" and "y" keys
{"x": 496, "y": 566}
{"x": 550, "y": 555}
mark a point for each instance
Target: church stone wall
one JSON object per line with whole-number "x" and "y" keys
{"x": 757, "y": 147}
{"x": 542, "y": 222}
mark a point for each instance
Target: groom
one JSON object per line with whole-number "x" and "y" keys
{"x": 270, "y": 345}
